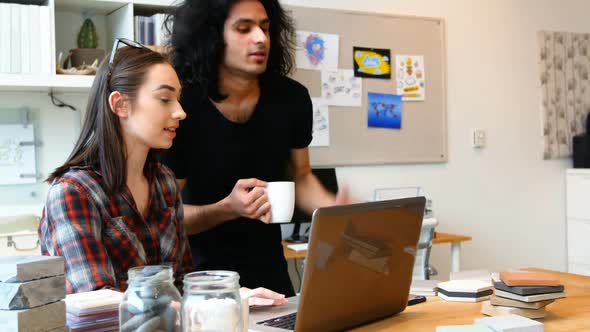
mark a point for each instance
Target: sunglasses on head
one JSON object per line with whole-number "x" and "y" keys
{"x": 125, "y": 41}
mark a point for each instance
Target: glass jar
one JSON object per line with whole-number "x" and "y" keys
{"x": 151, "y": 301}
{"x": 212, "y": 302}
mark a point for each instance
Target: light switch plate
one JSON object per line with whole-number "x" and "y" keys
{"x": 478, "y": 138}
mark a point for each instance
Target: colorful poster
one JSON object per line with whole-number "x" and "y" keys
{"x": 371, "y": 62}
{"x": 341, "y": 88}
{"x": 17, "y": 154}
{"x": 384, "y": 110}
{"x": 411, "y": 76}
{"x": 317, "y": 51}
{"x": 321, "y": 123}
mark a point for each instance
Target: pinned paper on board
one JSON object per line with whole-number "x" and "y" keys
{"x": 17, "y": 154}
{"x": 317, "y": 51}
{"x": 411, "y": 77}
{"x": 321, "y": 123}
{"x": 372, "y": 62}
{"x": 341, "y": 88}
{"x": 384, "y": 110}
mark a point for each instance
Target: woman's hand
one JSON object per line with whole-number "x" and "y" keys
{"x": 262, "y": 296}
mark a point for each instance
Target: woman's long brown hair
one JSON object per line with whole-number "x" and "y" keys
{"x": 101, "y": 144}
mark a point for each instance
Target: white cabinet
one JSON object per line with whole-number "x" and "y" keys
{"x": 112, "y": 18}
{"x": 578, "y": 220}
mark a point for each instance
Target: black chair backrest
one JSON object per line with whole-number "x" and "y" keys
{"x": 327, "y": 177}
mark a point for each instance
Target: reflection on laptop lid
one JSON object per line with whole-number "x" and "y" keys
{"x": 359, "y": 264}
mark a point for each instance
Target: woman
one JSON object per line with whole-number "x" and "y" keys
{"x": 112, "y": 206}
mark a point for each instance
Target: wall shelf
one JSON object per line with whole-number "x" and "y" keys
{"x": 45, "y": 83}
{"x": 113, "y": 19}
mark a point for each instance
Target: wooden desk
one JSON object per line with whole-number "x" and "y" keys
{"x": 439, "y": 238}
{"x": 291, "y": 254}
{"x": 564, "y": 315}
{"x": 455, "y": 241}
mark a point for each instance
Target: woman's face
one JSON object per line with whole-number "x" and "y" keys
{"x": 156, "y": 112}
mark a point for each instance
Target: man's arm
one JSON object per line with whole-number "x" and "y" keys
{"x": 309, "y": 192}
{"x": 247, "y": 199}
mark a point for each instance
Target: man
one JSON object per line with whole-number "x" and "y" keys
{"x": 247, "y": 123}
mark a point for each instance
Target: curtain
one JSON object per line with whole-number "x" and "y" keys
{"x": 564, "y": 65}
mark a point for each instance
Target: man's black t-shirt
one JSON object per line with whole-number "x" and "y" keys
{"x": 212, "y": 153}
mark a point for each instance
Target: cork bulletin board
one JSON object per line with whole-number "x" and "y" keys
{"x": 422, "y": 137}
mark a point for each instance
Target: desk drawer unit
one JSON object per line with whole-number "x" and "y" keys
{"x": 578, "y": 220}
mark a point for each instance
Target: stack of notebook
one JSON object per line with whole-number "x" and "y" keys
{"x": 96, "y": 311}
{"x": 424, "y": 287}
{"x": 523, "y": 293}
{"x": 505, "y": 323}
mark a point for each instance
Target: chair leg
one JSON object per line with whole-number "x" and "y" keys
{"x": 431, "y": 271}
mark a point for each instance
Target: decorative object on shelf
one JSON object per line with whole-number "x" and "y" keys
{"x": 79, "y": 70}
{"x": 87, "y": 51}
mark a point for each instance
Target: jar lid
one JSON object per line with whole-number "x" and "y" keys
{"x": 212, "y": 279}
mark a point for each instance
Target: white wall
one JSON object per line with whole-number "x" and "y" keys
{"x": 505, "y": 196}
{"x": 55, "y": 128}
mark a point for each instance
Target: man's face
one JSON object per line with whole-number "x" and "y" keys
{"x": 247, "y": 42}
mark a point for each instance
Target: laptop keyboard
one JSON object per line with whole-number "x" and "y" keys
{"x": 286, "y": 322}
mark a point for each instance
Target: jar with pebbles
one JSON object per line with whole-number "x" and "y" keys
{"x": 151, "y": 302}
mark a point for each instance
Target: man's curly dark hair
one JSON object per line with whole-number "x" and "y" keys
{"x": 197, "y": 43}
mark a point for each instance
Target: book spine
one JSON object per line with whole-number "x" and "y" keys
{"x": 15, "y": 39}
{"x": 35, "y": 39}
{"x": 137, "y": 29}
{"x": 157, "y": 25}
{"x": 150, "y": 30}
{"x": 44, "y": 40}
{"x": 25, "y": 37}
{"x": 5, "y": 50}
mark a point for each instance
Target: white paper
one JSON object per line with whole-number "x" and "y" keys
{"x": 17, "y": 154}
{"x": 341, "y": 88}
{"x": 321, "y": 123}
{"x": 410, "y": 74}
{"x": 316, "y": 50}
{"x": 298, "y": 247}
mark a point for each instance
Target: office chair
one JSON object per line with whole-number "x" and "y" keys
{"x": 422, "y": 269}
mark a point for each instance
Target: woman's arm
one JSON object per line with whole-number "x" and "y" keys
{"x": 71, "y": 227}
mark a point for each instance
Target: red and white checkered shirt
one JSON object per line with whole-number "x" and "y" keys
{"x": 102, "y": 236}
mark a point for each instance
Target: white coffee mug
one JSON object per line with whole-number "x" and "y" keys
{"x": 281, "y": 195}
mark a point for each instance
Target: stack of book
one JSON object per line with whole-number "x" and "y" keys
{"x": 523, "y": 293}
{"x": 424, "y": 287}
{"x": 96, "y": 311}
{"x": 150, "y": 30}
{"x": 25, "y": 38}
{"x": 31, "y": 290}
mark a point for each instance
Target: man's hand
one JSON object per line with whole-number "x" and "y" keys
{"x": 342, "y": 197}
{"x": 262, "y": 296}
{"x": 248, "y": 199}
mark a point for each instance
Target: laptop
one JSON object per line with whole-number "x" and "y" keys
{"x": 358, "y": 268}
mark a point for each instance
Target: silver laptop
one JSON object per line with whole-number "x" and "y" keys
{"x": 358, "y": 268}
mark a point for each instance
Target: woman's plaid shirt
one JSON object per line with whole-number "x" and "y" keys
{"x": 102, "y": 236}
